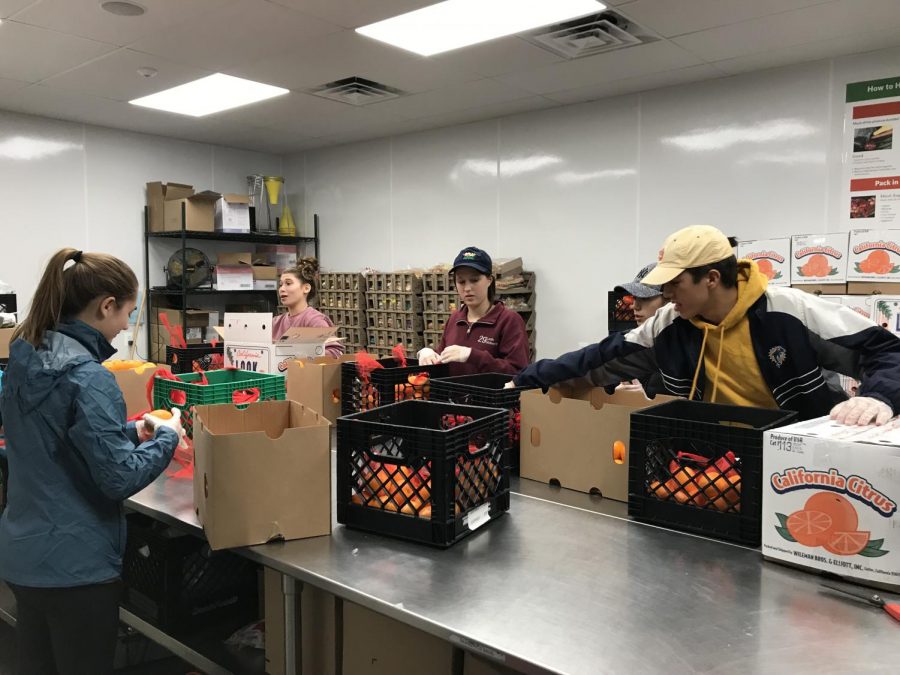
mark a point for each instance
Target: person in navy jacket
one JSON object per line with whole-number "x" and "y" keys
{"x": 482, "y": 336}
{"x": 72, "y": 462}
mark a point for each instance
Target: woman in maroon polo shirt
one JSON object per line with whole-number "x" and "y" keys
{"x": 482, "y": 336}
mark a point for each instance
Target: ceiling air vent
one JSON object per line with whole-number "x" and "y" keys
{"x": 590, "y": 35}
{"x": 356, "y": 91}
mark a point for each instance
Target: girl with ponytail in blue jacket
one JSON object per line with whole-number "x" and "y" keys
{"x": 73, "y": 460}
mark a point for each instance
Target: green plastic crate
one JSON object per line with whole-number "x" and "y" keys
{"x": 221, "y": 388}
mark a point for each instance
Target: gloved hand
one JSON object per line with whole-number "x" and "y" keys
{"x": 455, "y": 354}
{"x": 862, "y": 410}
{"x": 144, "y": 431}
{"x": 428, "y": 357}
{"x": 173, "y": 423}
{"x": 510, "y": 385}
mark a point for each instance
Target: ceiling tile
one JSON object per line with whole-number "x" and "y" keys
{"x": 30, "y": 54}
{"x": 10, "y": 7}
{"x": 832, "y": 20}
{"x": 244, "y": 31}
{"x": 498, "y": 57}
{"x": 632, "y": 85}
{"x": 115, "y": 76}
{"x": 677, "y": 18}
{"x": 452, "y": 98}
{"x": 86, "y": 18}
{"x": 616, "y": 65}
{"x": 354, "y": 13}
{"x": 347, "y": 54}
{"x": 811, "y": 51}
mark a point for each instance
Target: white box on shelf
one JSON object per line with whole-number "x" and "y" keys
{"x": 233, "y": 214}
{"x": 249, "y": 344}
{"x": 234, "y": 278}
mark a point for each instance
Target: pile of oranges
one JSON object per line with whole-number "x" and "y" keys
{"x": 816, "y": 266}
{"x": 877, "y": 262}
{"x": 830, "y": 521}
{"x": 415, "y": 387}
{"x": 715, "y": 485}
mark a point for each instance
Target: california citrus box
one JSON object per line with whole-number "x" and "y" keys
{"x": 819, "y": 258}
{"x": 874, "y": 255}
{"x": 885, "y": 311}
{"x": 773, "y": 256}
{"x": 830, "y": 497}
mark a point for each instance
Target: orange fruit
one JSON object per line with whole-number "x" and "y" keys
{"x": 161, "y": 414}
{"x": 809, "y": 528}
{"x": 765, "y": 266}
{"x": 847, "y": 543}
{"x": 837, "y": 507}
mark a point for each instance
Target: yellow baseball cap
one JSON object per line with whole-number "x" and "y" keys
{"x": 692, "y": 246}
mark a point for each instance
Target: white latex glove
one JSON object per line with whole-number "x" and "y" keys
{"x": 861, "y": 410}
{"x": 455, "y": 354}
{"x": 630, "y": 386}
{"x": 174, "y": 424}
{"x": 510, "y": 385}
{"x": 428, "y": 357}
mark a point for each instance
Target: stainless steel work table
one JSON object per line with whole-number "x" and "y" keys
{"x": 552, "y": 587}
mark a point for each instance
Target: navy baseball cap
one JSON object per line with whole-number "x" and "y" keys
{"x": 474, "y": 258}
{"x": 639, "y": 290}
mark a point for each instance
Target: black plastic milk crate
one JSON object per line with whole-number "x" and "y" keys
{"x": 173, "y": 579}
{"x": 182, "y": 359}
{"x": 620, "y": 315}
{"x": 385, "y": 384}
{"x": 485, "y": 389}
{"x": 679, "y": 435}
{"x": 424, "y": 471}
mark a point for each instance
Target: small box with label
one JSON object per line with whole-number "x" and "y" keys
{"x": 874, "y": 259}
{"x": 819, "y": 259}
{"x": 830, "y": 496}
{"x": 249, "y": 344}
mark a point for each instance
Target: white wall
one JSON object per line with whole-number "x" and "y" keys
{"x": 66, "y": 184}
{"x": 587, "y": 193}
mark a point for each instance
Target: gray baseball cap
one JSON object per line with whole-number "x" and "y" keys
{"x": 639, "y": 290}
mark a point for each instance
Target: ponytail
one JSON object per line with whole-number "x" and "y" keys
{"x": 66, "y": 289}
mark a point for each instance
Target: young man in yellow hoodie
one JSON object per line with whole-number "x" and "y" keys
{"x": 726, "y": 337}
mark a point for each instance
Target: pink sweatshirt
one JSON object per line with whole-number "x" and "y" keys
{"x": 308, "y": 318}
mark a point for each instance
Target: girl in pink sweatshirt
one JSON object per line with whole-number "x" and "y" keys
{"x": 296, "y": 288}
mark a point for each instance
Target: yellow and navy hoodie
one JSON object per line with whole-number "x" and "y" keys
{"x": 769, "y": 351}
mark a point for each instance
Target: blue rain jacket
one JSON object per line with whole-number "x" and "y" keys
{"x": 72, "y": 461}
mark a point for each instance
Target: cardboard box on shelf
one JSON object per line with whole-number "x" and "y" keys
{"x": 234, "y": 278}
{"x": 830, "y": 495}
{"x": 261, "y": 474}
{"x": 316, "y": 383}
{"x": 571, "y": 437}
{"x": 773, "y": 256}
{"x": 157, "y": 194}
{"x": 199, "y": 212}
{"x": 265, "y": 273}
{"x": 374, "y": 644}
{"x": 822, "y": 289}
{"x": 507, "y": 266}
{"x": 193, "y": 318}
{"x": 885, "y": 311}
{"x": 233, "y": 214}
{"x": 227, "y": 259}
{"x": 317, "y": 621}
{"x": 265, "y": 285}
{"x": 874, "y": 256}
{"x": 282, "y": 256}
{"x": 819, "y": 259}
{"x": 249, "y": 344}
{"x": 5, "y": 339}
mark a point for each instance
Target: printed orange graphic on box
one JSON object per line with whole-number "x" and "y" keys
{"x": 772, "y": 256}
{"x": 819, "y": 258}
{"x": 874, "y": 255}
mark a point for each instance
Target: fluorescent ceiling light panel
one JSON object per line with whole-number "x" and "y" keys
{"x": 459, "y": 23}
{"x": 209, "y": 95}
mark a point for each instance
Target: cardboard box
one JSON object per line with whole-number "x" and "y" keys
{"x": 261, "y": 474}
{"x": 874, "y": 256}
{"x": 830, "y": 497}
{"x": 230, "y": 259}
{"x": 193, "y": 318}
{"x": 568, "y": 437}
{"x": 249, "y": 344}
{"x": 133, "y": 384}
{"x": 317, "y": 621}
{"x": 265, "y": 285}
{"x": 5, "y": 338}
{"x": 773, "y": 256}
{"x": 233, "y": 214}
{"x": 374, "y": 644}
{"x": 316, "y": 383}
{"x": 234, "y": 278}
{"x": 822, "y": 289}
{"x": 507, "y": 266}
{"x": 282, "y": 256}
{"x": 199, "y": 212}
{"x": 157, "y": 194}
{"x": 858, "y": 304}
{"x": 885, "y": 311}
{"x": 819, "y": 258}
{"x": 264, "y": 273}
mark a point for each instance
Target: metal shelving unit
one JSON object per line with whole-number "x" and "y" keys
{"x": 183, "y": 236}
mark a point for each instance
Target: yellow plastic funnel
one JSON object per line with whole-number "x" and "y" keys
{"x": 273, "y": 187}
{"x": 286, "y": 225}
